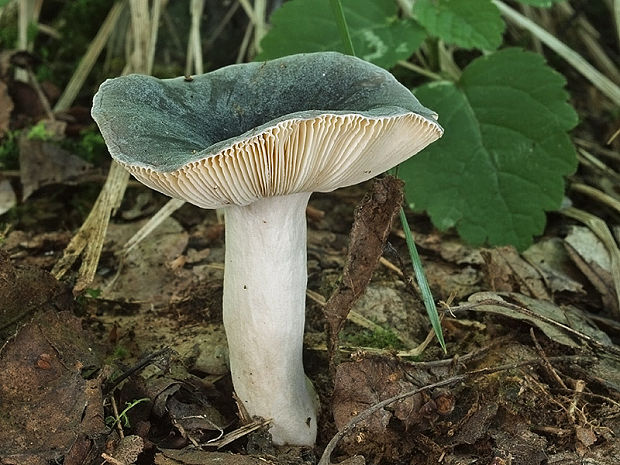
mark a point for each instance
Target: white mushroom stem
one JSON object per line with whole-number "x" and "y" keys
{"x": 264, "y": 310}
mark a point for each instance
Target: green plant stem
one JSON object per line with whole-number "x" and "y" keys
{"x": 427, "y": 296}
{"x": 420, "y": 70}
{"x": 600, "y": 81}
{"x": 342, "y": 26}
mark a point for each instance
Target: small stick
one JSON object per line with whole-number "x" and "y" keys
{"x": 579, "y": 387}
{"x": 117, "y": 417}
{"x": 548, "y": 366}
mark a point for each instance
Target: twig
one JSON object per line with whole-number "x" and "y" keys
{"x": 596, "y": 148}
{"x": 587, "y": 158}
{"x": 135, "y": 369}
{"x": 579, "y": 387}
{"x": 390, "y": 266}
{"x": 420, "y": 70}
{"x": 40, "y": 94}
{"x": 223, "y": 23}
{"x": 325, "y": 458}
{"x": 238, "y": 433}
{"x": 117, "y": 417}
{"x": 194, "y": 46}
{"x": 543, "y": 356}
{"x": 245, "y": 42}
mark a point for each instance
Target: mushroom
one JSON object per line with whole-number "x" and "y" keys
{"x": 258, "y": 139}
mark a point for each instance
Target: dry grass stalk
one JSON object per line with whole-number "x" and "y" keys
{"x": 90, "y": 57}
{"x": 89, "y": 239}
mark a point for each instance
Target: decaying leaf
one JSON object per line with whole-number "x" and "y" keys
{"x": 42, "y": 391}
{"x": 538, "y": 312}
{"x": 551, "y": 260}
{"x": 361, "y": 384}
{"x": 506, "y": 271}
{"x": 128, "y": 449}
{"x": 43, "y": 163}
{"x": 476, "y": 423}
{"x": 373, "y": 221}
{"x": 520, "y": 445}
{"x": 25, "y": 290}
{"x": 592, "y": 258}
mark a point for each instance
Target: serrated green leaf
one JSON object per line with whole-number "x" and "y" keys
{"x": 540, "y": 3}
{"x": 378, "y": 35}
{"x": 504, "y": 154}
{"x": 466, "y": 23}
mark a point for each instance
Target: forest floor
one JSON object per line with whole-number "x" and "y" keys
{"x": 531, "y": 375}
{"x": 133, "y": 369}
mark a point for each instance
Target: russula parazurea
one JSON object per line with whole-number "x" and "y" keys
{"x": 257, "y": 139}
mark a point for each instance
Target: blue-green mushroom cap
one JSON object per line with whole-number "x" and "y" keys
{"x": 302, "y": 123}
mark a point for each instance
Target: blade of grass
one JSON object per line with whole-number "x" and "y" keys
{"x": 427, "y": 296}
{"x": 342, "y": 26}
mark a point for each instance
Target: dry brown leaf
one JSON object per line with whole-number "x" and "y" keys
{"x": 25, "y": 290}
{"x": 42, "y": 390}
{"x": 506, "y": 271}
{"x": 551, "y": 260}
{"x": 592, "y": 258}
{"x": 42, "y": 163}
{"x": 373, "y": 221}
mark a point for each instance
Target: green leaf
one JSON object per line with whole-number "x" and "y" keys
{"x": 501, "y": 162}
{"x": 466, "y": 23}
{"x": 378, "y": 35}
{"x": 540, "y": 3}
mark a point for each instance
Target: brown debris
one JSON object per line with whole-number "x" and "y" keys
{"x": 373, "y": 221}
{"x": 48, "y": 407}
{"x": 506, "y": 271}
{"x": 199, "y": 457}
{"x": 25, "y": 290}
{"x": 592, "y": 258}
{"x": 43, "y": 163}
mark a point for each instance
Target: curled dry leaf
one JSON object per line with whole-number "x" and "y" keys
{"x": 42, "y": 389}
{"x": 545, "y": 315}
{"x": 593, "y": 259}
{"x": 373, "y": 221}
